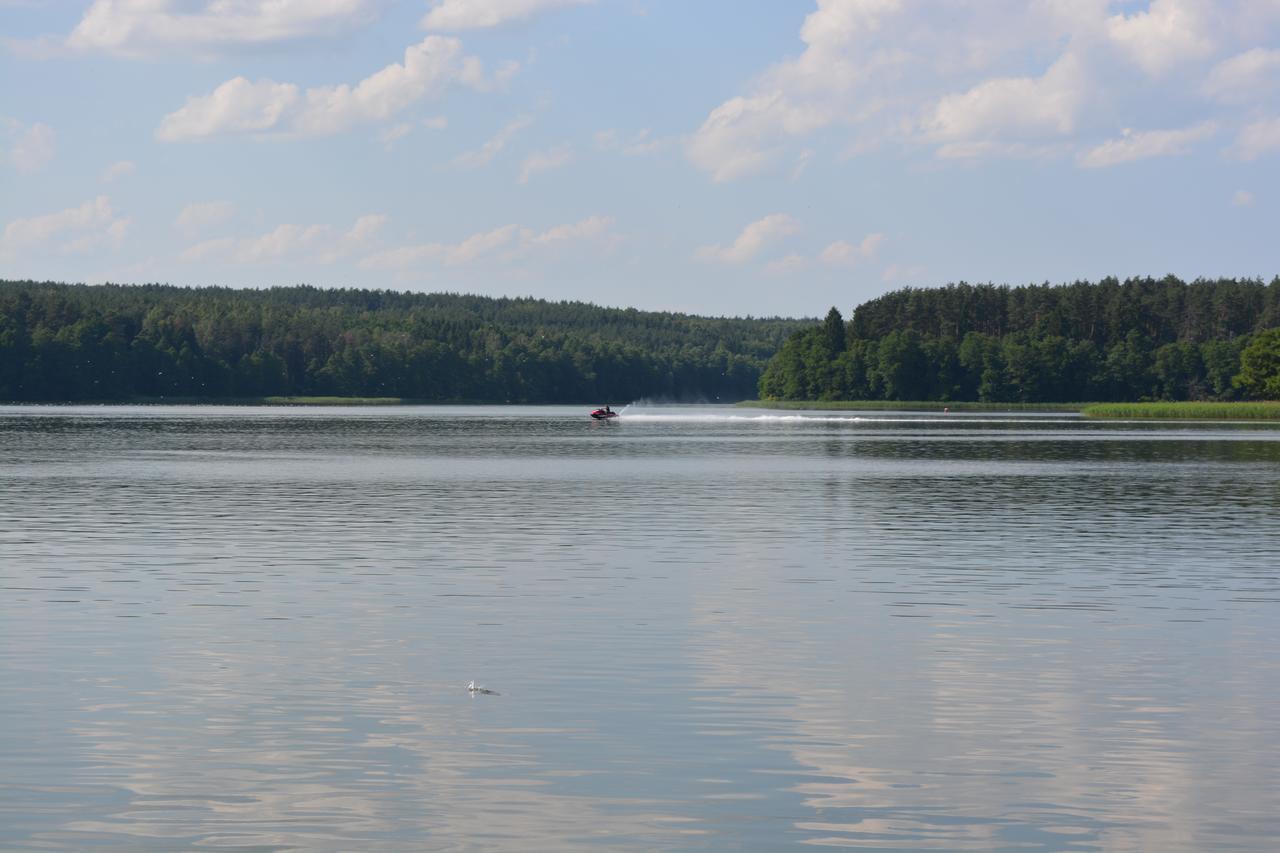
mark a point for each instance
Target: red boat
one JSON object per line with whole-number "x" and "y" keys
{"x": 604, "y": 414}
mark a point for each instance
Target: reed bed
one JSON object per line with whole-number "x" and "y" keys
{"x": 334, "y": 401}
{"x": 1267, "y": 411}
{"x": 910, "y": 406}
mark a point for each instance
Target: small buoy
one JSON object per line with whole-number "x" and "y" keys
{"x": 474, "y": 689}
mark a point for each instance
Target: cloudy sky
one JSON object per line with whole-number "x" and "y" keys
{"x": 711, "y": 156}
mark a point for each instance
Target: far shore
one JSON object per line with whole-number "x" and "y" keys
{"x": 282, "y": 401}
{"x": 911, "y": 406}
{"x": 1232, "y": 411}
{"x": 1217, "y": 411}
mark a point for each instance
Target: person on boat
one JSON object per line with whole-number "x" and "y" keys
{"x": 607, "y": 410}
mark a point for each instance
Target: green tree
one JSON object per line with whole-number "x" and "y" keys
{"x": 833, "y": 333}
{"x": 1260, "y": 366}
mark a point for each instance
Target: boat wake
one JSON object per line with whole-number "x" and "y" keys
{"x": 632, "y": 415}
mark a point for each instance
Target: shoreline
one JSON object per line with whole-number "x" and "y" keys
{"x": 909, "y": 406}
{"x": 1189, "y": 410}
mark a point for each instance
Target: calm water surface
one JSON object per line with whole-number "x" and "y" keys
{"x": 709, "y": 629}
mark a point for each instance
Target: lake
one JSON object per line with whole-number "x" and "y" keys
{"x": 708, "y": 628}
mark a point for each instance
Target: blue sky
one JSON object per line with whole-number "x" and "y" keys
{"x": 764, "y": 157}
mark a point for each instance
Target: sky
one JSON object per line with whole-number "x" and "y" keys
{"x": 724, "y": 157}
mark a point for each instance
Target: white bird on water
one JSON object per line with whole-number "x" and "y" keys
{"x": 475, "y": 689}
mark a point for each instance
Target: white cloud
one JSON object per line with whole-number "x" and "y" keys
{"x": 1256, "y": 139}
{"x": 504, "y": 244}
{"x": 754, "y": 237}
{"x": 476, "y": 14}
{"x": 841, "y": 253}
{"x": 1017, "y": 107}
{"x": 1000, "y": 78}
{"x": 545, "y": 161}
{"x": 1166, "y": 33}
{"x": 33, "y": 145}
{"x": 118, "y": 169}
{"x": 202, "y": 216}
{"x": 435, "y": 122}
{"x": 844, "y": 253}
{"x": 265, "y": 106}
{"x": 365, "y": 229}
{"x": 591, "y": 228}
{"x": 795, "y": 97}
{"x": 788, "y": 264}
{"x": 736, "y": 139}
{"x": 282, "y": 240}
{"x": 1245, "y": 77}
{"x": 1242, "y": 198}
{"x": 110, "y": 237}
{"x": 483, "y": 155}
{"x": 1141, "y": 145}
{"x": 322, "y": 243}
{"x": 75, "y": 229}
{"x": 480, "y": 245}
{"x": 140, "y": 28}
{"x": 237, "y": 106}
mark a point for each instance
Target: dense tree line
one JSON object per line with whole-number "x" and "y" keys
{"x": 113, "y": 342}
{"x": 1141, "y": 339}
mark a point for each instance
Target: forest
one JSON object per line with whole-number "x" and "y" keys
{"x": 71, "y": 342}
{"x": 1140, "y": 339}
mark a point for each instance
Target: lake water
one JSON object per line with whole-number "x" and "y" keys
{"x": 709, "y": 628}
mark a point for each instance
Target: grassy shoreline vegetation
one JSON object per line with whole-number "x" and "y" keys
{"x": 1237, "y": 411}
{"x": 910, "y": 406}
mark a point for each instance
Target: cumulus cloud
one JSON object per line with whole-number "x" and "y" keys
{"x": 323, "y": 243}
{"x": 752, "y": 240}
{"x": 91, "y": 225}
{"x": 280, "y": 241}
{"x": 242, "y": 106}
{"x": 844, "y": 253}
{"x": 788, "y": 264}
{"x": 31, "y": 146}
{"x": 1001, "y": 78}
{"x": 202, "y": 216}
{"x": 1012, "y": 107}
{"x": 591, "y": 228}
{"x": 1256, "y": 139}
{"x": 1140, "y": 145}
{"x": 1245, "y": 77}
{"x": 1166, "y": 33}
{"x": 237, "y": 106}
{"x": 483, "y": 155}
{"x": 794, "y": 98}
{"x": 545, "y": 161}
{"x": 1242, "y": 198}
{"x": 140, "y": 28}
{"x": 477, "y": 14}
{"x": 504, "y": 244}
{"x": 841, "y": 253}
